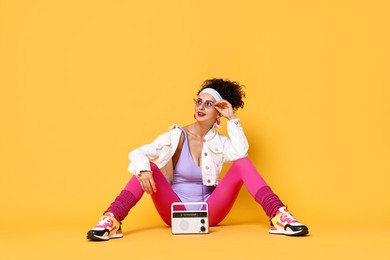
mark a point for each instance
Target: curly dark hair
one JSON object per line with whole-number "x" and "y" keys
{"x": 231, "y": 91}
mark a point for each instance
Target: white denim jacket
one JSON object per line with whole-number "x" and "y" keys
{"x": 217, "y": 149}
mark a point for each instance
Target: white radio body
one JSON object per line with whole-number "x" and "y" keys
{"x": 190, "y": 221}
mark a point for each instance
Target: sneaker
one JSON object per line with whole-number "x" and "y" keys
{"x": 284, "y": 223}
{"x": 107, "y": 227}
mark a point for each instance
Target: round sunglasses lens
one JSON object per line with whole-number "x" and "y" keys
{"x": 208, "y": 104}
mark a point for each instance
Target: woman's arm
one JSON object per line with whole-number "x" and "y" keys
{"x": 236, "y": 146}
{"x": 141, "y": 157}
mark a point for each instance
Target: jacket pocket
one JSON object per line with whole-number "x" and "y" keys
{"x": 216, "y": 151}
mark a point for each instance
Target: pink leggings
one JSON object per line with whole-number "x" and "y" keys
{"x": 219, "y": 203}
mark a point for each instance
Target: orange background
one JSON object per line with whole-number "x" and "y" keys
{"x": 85, "y": 82}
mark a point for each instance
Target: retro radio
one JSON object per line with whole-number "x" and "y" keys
{"x": 190, "y": 221}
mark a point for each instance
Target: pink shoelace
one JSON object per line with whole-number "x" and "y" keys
{"x": 288, "y": 218}
{"x": 105, "y": 222}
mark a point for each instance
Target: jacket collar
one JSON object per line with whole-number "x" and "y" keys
{"x": 211, "y": 134}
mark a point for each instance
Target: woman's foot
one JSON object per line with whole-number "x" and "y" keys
{"x": 107, "y": 227}
{"x": 284, "y": 223}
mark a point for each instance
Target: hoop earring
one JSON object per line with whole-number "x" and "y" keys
{"x": 218, "y": 121}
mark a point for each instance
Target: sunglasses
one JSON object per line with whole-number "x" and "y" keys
{"x": 207, "y": 103}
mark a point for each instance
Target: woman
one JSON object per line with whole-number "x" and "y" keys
{"x": 184, "y": 165}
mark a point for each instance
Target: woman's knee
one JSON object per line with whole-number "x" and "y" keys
{"x": 242, "y": 162}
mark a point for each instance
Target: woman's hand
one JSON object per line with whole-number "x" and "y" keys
{"x": 225, "y": 109}
{"x": 146, "y": 181}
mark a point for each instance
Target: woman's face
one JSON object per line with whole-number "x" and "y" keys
{"x": 204, "y": 108}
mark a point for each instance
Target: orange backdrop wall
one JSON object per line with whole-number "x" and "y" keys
{"x": 85, "y": 82}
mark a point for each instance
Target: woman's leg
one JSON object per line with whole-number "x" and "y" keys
{"x": 127, "y": 199}
{"x": 133, "y": 192}
{"x": 164, "y": 196}
{"x": 109, "y": 225}
{"x": 223, "y": 197}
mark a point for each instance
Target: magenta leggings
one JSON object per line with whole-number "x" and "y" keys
{"x": 221, "y": 200}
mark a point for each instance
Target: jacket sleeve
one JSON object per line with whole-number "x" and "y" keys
{"x": 236, "y": 146}
{"x": 141, "y": 157}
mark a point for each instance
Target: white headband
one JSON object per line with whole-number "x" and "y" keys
{"x": 212, "y": 92}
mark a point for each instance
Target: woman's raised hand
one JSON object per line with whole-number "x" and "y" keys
{"x": 225, "y": 109}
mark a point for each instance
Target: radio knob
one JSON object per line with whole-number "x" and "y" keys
{"x": 202, "y": 228}
{"x": 202, "y": 221}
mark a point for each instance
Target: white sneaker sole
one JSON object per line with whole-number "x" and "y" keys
{"x": 289, "y": 232}
{"x": 105, "y": 237}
